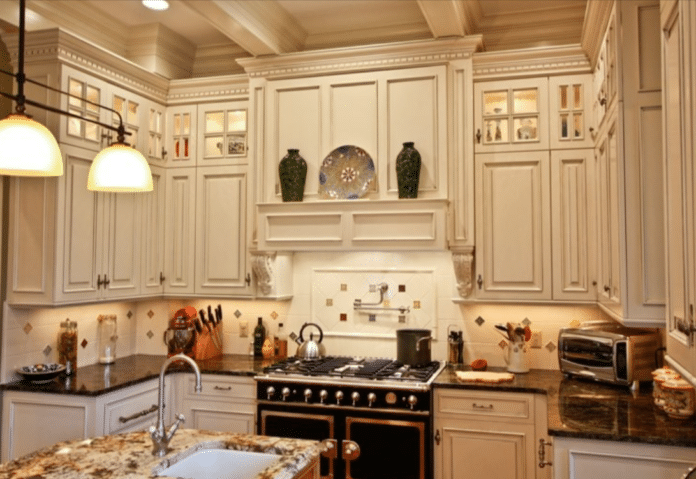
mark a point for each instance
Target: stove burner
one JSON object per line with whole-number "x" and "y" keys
{"x": 350, "y": 367}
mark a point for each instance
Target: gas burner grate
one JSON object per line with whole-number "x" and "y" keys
{"x": 400, "y": 371}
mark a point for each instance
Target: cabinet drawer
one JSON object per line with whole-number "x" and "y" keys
{"x": 131, "y": 412}
{"x": 217, "y": 387}
{"x": 485, "y": 404}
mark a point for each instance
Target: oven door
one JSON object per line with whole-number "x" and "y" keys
{"x": 300, "y": 424}
{"x": 389, "y": 448}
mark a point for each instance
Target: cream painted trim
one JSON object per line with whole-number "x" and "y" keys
{"x": 597, "y": 17}
{"x": 531, "y": 62}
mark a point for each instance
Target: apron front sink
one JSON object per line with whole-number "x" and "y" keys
{"x": 215, "y": 463}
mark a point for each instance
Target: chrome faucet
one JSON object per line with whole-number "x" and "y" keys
{"x": 160, "y": 438}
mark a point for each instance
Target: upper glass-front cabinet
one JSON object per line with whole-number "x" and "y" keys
{"x": 570, "y": 107}
{"x": 223, "y": 133}
{"x": 512, "y": 115}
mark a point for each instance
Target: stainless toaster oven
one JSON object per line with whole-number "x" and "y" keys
{"x": 608, "y": 352}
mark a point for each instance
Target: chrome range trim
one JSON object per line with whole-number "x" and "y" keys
{"x": 332, "y": 407}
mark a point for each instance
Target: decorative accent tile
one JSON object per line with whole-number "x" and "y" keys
{"x": 416, "y": 304}
{"x": 574, "y": 323}
{"x": 344, "y": 317}
{"x": 402, "y": 288}
{"x": 372, "y": 317}
{"x": 150, "y": 334}
{"x": 386, "y": 303}
{"x": 150, "y": 314}
{"x": 129, "y": 314}
{"x": 274, "y": 315}
{"x": 526, "y": 322}
{"x": 402, "y": 318}
{"x": 83, "y": 343}
{"x": 329, "y": 301}
{"x": 550, "y": 346}
{"x": 479, "y": 321}
{"x": 27, "y": 328}
{"x": 237, "y": 314}
{"x": 373, "y": 288}
{"x": 47, "y": 350}
{"x": 503, "y": 344}
{"x": 344, "y": 287}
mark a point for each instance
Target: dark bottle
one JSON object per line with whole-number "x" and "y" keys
{"x": 259, "y": 337}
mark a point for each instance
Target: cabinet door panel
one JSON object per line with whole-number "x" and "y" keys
{"x": 571, "y": 203}
{"x": 513, "y": 225}
{"x": 83, "y": 235}
{"x": 153, "y": 239}
{"x": 179, "y": 252}
{"x": 353, "y": 112}
{"x": 221, "y": 232}
{"x": 123, "y": 258}
{"x": 215, "y": 419}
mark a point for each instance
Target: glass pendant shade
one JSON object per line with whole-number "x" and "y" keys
{"x": 121, "y": 169}
{"x": 27, "y": 148}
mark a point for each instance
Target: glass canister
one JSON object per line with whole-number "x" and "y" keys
{"x": 67, "y": 345}
{"x": 107, "y": 338}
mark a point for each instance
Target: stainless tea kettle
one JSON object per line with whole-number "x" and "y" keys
{"x": 310, "y": 349}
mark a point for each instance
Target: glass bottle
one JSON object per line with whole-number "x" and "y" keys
{"x": 67, "y": 346}
{"x": 281, "y": 343}
{"x": 107, "y": 338}
{"x": 259, "y": 337}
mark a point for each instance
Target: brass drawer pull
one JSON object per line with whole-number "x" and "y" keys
{"x": 481, "y": 406}
{"x": 218, "y": 388}
{"x": 144, "y": 412}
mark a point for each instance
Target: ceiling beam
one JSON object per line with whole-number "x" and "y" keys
{"x": 445, "y": 18}
{"x": 260, "y": 28}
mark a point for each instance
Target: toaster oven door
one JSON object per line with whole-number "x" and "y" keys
{"x": 588, "y": 352}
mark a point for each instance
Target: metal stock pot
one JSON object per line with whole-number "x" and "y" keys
{"x": 413, "y": 346}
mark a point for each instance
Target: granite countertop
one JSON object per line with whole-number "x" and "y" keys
{"x": 97, "y": 379}
{"x": 576, "y": 408}
{"x": 129, "y": 455}
{"x": 590, "y": 410}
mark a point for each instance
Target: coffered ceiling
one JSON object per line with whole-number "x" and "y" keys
{"x": 203, "y": 37}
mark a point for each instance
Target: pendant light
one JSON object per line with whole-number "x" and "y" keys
{"x": 119, "y": 168}
{"x": 27, "y": 148}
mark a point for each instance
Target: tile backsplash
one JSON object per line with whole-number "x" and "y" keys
{"x": 326, "y": 284}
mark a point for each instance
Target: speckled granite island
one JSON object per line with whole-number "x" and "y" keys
{"x": 129, "y": 456}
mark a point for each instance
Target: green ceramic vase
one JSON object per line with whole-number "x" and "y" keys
{"x": 408, "y": 166}
{"x": 292, "y": 171}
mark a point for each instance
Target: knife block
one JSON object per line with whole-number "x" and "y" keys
{"x": 207, "y": 347}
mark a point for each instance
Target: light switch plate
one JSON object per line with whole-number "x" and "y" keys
{"x": 243, "y": 329}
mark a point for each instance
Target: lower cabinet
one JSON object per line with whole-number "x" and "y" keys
{"x": 31, "y": 420}
{"x": 480, "y": 434}
{"x": 226, "y": 403}
{"x": 584, "y": 458}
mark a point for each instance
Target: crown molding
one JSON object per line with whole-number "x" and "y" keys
{"x": 597, "y": 17}
{"x": 58, "y": 45}
{"x": 219, "y": 88}
{"x": 373, "y": 57}
{"x": 559, "y": 60}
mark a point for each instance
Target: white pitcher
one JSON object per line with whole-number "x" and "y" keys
{"x": 516, "y": 357}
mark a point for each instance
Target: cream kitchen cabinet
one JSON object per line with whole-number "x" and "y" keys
{"x": 679, "y": 99}
{"x": 628, "y": 151}
{"x": 181, "y": 140}
{"x": 71, "y": 245}
{"x": 222, "y": 132}
{"x": 511, "y": 115}
{"x": 481, "y": 434}
{"x": 226, "y": 403}
{"x": 31, "y": 420}
{"x": 153, "y": 235}
{"x": 570, "y": 112}
{"x": 180, "y": 231}
{"x": 580, "y": 458}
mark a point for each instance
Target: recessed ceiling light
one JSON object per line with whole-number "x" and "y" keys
{"x": 156, "y": 4}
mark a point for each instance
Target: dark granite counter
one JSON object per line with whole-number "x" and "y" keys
{"x": 576, "y": 408}
{"x": 589, "y": 410}
{"x": 97, "y": 379}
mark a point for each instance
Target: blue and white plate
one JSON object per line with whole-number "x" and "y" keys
{"x": 346, "y": 173}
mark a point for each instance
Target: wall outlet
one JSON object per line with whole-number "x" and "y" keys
{"x": 535, "y": 340}
{"x": 244, "y": 329}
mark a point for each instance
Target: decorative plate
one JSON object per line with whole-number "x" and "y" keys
{"x": 346, "y": 173}
{"x": 41, "y": 373}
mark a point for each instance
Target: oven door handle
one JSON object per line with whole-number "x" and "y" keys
{"x": 330, "y": 448}
{"x": 351, "y": 450}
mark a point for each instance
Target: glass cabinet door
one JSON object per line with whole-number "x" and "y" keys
{"x": 512, "y": 115}
{"x": 223, "y": 134}
{"x": 570, "y": 107}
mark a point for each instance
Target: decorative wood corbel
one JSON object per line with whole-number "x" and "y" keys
{"x": 464, "y": 271}
{"x": 261, "y": 265}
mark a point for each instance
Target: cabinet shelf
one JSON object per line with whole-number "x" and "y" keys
{"x": 418, "y": 224}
